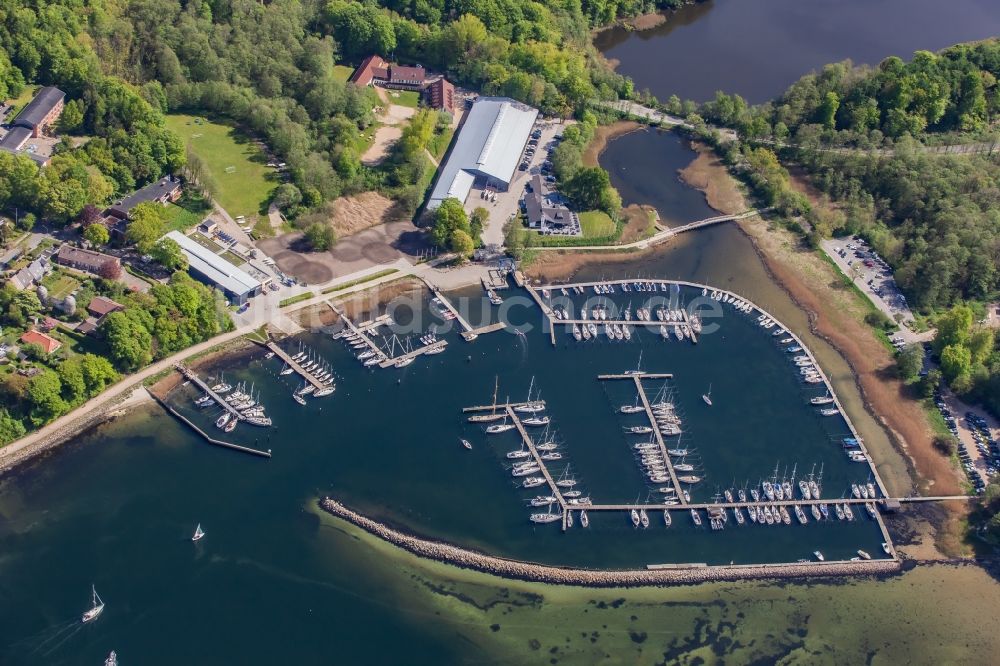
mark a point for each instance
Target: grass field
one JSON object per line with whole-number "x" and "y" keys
{"x": 409, "y": 98}
{"x": 439, "y": 143}
{"x": 237, "y": 166}
{"x": 178, "y": 218}
{"x": 60, "y": 285}
{"x": 342, "y": 72}
{"x": 596, "y": 223}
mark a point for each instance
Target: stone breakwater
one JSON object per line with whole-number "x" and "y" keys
{"x": 543, "y": 573}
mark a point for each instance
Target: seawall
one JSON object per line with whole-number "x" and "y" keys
{"x": 544, "y": 573}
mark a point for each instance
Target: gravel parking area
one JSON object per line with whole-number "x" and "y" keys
{"x": 977, "y": 433}
{"x": 874, "y": 277}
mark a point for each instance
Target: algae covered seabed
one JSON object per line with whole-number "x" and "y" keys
{"x": 931, "y": 614}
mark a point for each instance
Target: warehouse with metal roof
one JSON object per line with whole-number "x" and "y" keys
{"x": 207, "y": 266}
{"x": 487, "y": 150}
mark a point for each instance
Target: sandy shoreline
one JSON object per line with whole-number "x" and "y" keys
{"x": 543, "y": 573}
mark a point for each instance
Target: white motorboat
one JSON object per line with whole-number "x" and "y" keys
{"x": 97, "y": 607}
{"x": 707, "y": 397}
{"x": 818, "y": 555}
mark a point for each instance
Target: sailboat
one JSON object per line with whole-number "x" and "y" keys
{"x": 112, "y": 659}
{"x": 96, "y": 609}
{"x": 499, "y": 427}
{"x": 707, "y": 397}
{"x": 638, "y": 367}
{"x": 198, "y": 533}
{"x": 467, "y": 444}
{"x": 492, "y": 416}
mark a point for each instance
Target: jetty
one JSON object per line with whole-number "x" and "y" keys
{"x": 211, "y": 440}
{"x": 360, "y": 331}
{"x": 390, "y": 361}
{"x": 302, "y": 372}
{"x": 528, "y": 442}
{"x": 659, "y": 438}
{"x": 193, "y": 377}
{"x": 466, "y": 326}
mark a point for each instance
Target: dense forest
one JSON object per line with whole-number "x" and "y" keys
{"x": 269, "y": 67}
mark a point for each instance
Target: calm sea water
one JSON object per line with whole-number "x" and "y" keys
{"x": 757, "y": 48}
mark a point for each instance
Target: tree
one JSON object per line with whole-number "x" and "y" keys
{"x": 477, "y": 222}
{"x": 449, "y": 217}
{"x": 97, "y": 234}
{"x": 980, "y": 345}
{"x": 287, "y": 197}
{"x": 10, "y": 428}
{"x": 461, "y": 243}
{"x": 110, "y": 270}
{"x": 44, "y": 397}
{"x": 129, "y": 341}
{"x": 88, "y": 215}
{"x": 71, "y": 117}
{"x": 320, "y": 237}
{"x": 953, "y": 327}
{"x": 145, "y": 226}
{"x": 956, "y": 361}
{"x": 909, "y": 361}
{"x": 587, "y": 186}
{"x": 169, "y": 254}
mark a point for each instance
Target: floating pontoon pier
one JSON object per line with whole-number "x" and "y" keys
{"x": 305, "y": 374}
{"x": 192, "y": 376}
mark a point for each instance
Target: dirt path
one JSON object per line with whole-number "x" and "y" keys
{"x": 386, "y": 137}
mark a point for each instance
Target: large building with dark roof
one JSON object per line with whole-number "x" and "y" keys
{"x": 441, "y": 95}
{"x": 42, "y": 111}
{"x": 162, "y": 191}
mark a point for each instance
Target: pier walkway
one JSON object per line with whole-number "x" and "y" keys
{"x": 390, "y": 361}
{"x": 361, "y": 333}
{"x": 192, "y": 376}
{"x": 659, "y": 439}
{"x": 466, "y": 326}
{"x": 305, "y": 374}
{"x": 538, "y": 459}
{"x": 735, "y": 505}
{"x": 205, "y": 436}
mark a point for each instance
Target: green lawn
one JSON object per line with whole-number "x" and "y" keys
{"x": 409, "y": 98}
{"x": 595, "y": 224}
{"x": 237, "y": 166}
{"x": 439, "y": 143}
{"x": 180, "y": 219}
{"x": 342, "y": 72}
{"x": 60, "y": 285}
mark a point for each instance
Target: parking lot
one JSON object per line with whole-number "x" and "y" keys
{"x": 873, "y": 276}
{"x": 976, "y": 432}
{"x": 507, "y": 204}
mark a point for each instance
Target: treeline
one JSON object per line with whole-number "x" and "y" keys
{"x": 48, "y": 43}
{"x": 538, "y": 53}
{"x": 589, "y": 188}
{"x": 167, "y": 319}
{"x": 954, "y": 91}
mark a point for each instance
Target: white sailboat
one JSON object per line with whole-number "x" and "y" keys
{"x": 707, "y": 397}
{"x": 199, "y": 533}
{"x": 96, "y": 608}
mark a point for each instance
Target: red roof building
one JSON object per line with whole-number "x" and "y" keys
{"x": 371, "y": 68}
{"x": 100, "y": 306}
{"x": 47, "y": 343}
{"x": 401, "y": 75}
{"x": 441, "y": 95}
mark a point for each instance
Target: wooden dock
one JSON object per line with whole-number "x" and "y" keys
{"x": 361, "y": 333}
{"x": 192, "y": 376}
{"x": 390, "y": 361}
{"x": 659, "y": 439}
{"x": 789, "y": 504}
{"x": 483, "y": 330}
{"x": 640, "y": 375}
{"x": 302, "y": 372}
{"x": 211, "y": 440}
{"x": 491, "y": 408}
{"x": 541, "y": 463}
{"x": 466, "y": 326}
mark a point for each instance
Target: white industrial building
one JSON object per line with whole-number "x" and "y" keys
{"x": 208, "y": 267}
{"x": 487, "y": 151}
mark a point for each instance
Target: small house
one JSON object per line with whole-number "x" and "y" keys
{"x": 46, "y": 342}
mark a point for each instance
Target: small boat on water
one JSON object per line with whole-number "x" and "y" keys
{"x": 497, "y": 428}
{"x": 323, "y": 392}
{"x": 638, "y": 430}
{"x": 112, "y": 659}
{"x": 821, "y": 400}
{"x": 848, "y": 511}
{"x": 818, "y": 555}
{"x": 223, "y": 420}
{"x": 199, "y": 533}
{"x": 635, "y": 517}
{"x": 231, "y": 426}
{"x": 696, "y": 517}
{"x": 707, "y": 397}
{"x": 466, "y": 444}
{"x": 584, "y": 520}
{"x": 864, "y": 555}
{"x": 643, "y": 518}
{"x": 536, "y": 421}
{"x": 545, "y": 517}
{"x": 97, "y": 607}
{"x": 666, "y": 517}
{"x": 533, "y": 482}
{"x": 885, "y": 548}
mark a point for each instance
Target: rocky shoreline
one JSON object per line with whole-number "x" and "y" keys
{"x": 542, "y": 573}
